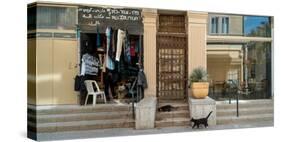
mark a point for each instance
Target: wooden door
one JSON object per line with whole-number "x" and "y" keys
{"x": 171, "y": 58}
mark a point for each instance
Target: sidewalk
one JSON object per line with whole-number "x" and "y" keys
{"x": 130, "y": 132}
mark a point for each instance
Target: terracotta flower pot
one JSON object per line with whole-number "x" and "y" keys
{"x": 200, "y": 90}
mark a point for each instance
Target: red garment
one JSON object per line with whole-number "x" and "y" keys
{"x": 132, "y": 48}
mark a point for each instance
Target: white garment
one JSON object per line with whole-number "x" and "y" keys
{"x": 120, "y": 41}
{"x": 90, "y": 65}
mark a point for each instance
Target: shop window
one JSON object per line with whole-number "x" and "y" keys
{"x": 257, "y": 26}
{"x": 56, "y": 17}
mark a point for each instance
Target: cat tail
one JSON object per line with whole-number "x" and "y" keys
{"x": 209, "y": 115}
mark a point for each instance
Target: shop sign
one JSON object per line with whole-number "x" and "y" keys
{"x": 127, "y": 19}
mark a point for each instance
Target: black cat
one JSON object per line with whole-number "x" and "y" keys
{"x": 166, "y": 108}
{"x": 203, "y": 121}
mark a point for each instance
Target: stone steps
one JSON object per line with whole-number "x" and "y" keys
{"x": 244, "y": 119}
{"x": 42, "y": 119}
{"x": 172, "y": 114}
{"x": 244, "y": 111}
{"x": 250, "y": 111}
{"x": 82, "y": 125}
{"x": 66, "y": 109}
{"x": 80, "y": 116}
{"x": 179, "y": 106}
{"x": 178, "y": 117}
{"x": 246, "y": 104}
{"x": 173, "y": 122}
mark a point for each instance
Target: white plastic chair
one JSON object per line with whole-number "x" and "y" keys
{"x": 91, "y": 91}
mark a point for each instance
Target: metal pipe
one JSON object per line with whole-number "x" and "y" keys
{"x": 246, "y": 67}
{"x": 237, "y": 105}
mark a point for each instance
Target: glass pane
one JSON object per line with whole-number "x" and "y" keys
{"x": 56, "y": 18}
{"x": 215, "y": 21}
{"x": 225, "y": 25}
{"x": 257, "y": 26}
{"x": 259, "y": 70}
{"x": 247, "y": 72}
{"x": 31, "y": 18}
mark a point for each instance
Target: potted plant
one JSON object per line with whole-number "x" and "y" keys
{"x": 199, "y": 83}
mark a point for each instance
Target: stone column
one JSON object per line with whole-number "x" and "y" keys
{"x": 197, "y": 56}
{"x": 197, "y": 39}
{"x": 149, "y": 42}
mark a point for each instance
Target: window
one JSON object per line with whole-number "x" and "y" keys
{"x": 56, "y": 17}
{"x": 219, "y": 25}
{"x": 214, "y": 24}
{"x": 31, "y": 18}
{"x": 225, "y": 25}
{"x": 257, "y": 26}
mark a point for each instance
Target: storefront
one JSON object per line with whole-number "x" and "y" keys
{"x": 146, "y": 55}
{"x": 166, "y": 44}
{"x": 60, "y": 34}
{"x": 72, "y": 41}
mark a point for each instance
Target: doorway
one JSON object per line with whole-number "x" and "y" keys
{"x": 171, "y": 57}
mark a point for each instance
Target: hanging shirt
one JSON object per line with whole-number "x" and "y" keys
{"x": 127, "y": 55}
{"x": 90, "y": 65}
{"x": 132, "y": 48}
{"x": 120, "y": 42}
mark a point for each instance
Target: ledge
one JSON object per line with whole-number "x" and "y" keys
{"x": 206, "y": 101}
{"x": 145, "y": 113}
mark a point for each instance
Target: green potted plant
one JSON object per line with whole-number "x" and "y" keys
{"x": 199, "y": 84}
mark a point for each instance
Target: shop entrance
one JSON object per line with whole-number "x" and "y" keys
{"x": 171, "y": 57}
{"x": 125, "y": 72}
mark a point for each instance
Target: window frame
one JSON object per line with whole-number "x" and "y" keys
{"x": 214, "y": 19}
{"x": 224, "y": 25}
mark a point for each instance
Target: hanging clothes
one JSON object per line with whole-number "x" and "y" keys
{"x": 109, "y": 62}
{"x": 98, "y": 43}
{"x": 137, "y": 46}
{"x": 142, "y": 79}
{"x": 120, "y": 41}
{"x": 132, "y": 48}
{"x": 127, "y": 49}
{"x": 90, "y": 65}
{"x": 111, "y": 44}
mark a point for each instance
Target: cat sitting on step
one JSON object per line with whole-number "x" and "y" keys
{"x": 166, "y": 108}
{"x": 203, "y": 121}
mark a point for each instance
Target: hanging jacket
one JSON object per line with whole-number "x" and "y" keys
{"x": 109, "y": 61}
{"x": 133, "y": 48}
{"x": 127, "y": 49}
{"x": 77, "y": 83}
{"x": 142, "y": 79}
{"x": 98, "y": 45}
{"x": 111, "y": 51}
